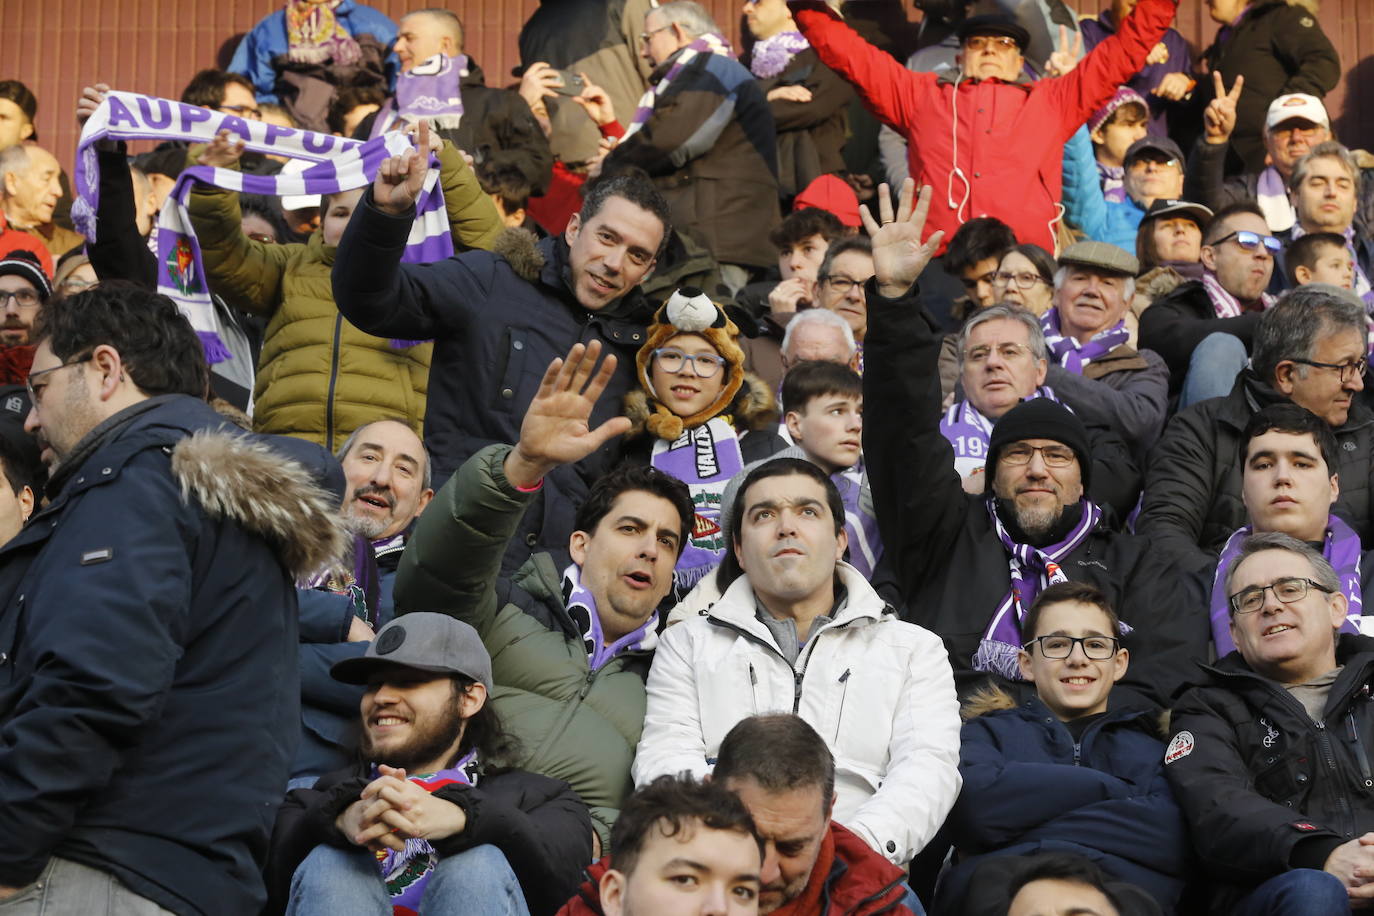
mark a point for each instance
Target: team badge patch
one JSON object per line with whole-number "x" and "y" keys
{"x": 1180, "y": 747}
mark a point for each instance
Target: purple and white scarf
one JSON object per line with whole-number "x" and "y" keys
{"x": 771, "y": 55}
{"x": 406, "y": 872}
{"x": 969, "y": 432}
{"x": 431, "y": 90}
{"x": 1031, "y": 568}
{"x": 1340, "y": 547}
{"x": 1113, "y": 180}
{"x": 1225, "y": 304}
{"x": 709, "y": 43}
{"x": 705, "y": 458}
{"x": 341, "y": 165}
{"x": 581, "y": 605}
{"x": 1271, "y": 193}
{"x": 1072, "y": 355}
{"x": 860, "y": 519}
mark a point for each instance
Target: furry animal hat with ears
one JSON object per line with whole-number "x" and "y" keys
{"x": 690, "y": 311}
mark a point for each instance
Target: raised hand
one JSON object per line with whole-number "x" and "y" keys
{"x": 899, "y": 255}
{"x": 539, "y": 82}
{"x": 221, "y": 152}
{"x": 1067, "y": 57}
{"x": 595, "y": 101}
{"x": 92, "y": 97}
{"x": 400, "y": 178}
{"x": 1174, "y": 86}
{"x": 787, "y": 297}
{"x": 555, "y": 430}
{"x": 1219, "y": 118}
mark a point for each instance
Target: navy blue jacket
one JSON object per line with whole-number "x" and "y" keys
{"x": 148, "y": 687}
{"x": 1029, "y": 787}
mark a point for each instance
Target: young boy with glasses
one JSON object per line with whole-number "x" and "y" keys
{"x": 1058, "y": 769}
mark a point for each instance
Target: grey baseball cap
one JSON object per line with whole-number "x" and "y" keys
{"x": 423, "y": 641}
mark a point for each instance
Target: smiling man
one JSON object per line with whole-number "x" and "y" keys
{"x": 1270, "y": 753}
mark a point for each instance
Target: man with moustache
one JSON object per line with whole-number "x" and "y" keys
{"x": 24, "y": 290}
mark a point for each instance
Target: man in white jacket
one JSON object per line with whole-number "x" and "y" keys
{"x": 800, "y": 631}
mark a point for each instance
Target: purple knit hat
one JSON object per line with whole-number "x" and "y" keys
{"x": 1124, "y": 96}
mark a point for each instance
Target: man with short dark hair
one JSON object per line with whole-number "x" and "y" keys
{"x": 1310, "y": 350}
{"x": 1270, "y": 753}
{"x": 1062, "y": 883}
{"x": 571, "y": 646}
{"x": 24, "y": 289}
{"x": 840, "y": 286}
{"x": 18, "y": 109}
{"x": 972, "y": 257}
{"x": 1323, "y": 188}
{"x": 148, "y": 678}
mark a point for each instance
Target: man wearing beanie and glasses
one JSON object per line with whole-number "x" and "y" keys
{"x": 24, "y": 290}
{"x": 970, "y": 566}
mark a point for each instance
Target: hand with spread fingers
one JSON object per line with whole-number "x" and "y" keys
{"x": 899, "y": 255}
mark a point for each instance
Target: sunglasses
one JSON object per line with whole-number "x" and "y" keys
{"x": 1251, "y": 240}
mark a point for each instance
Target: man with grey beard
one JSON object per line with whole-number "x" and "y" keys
{"x": 387, "y": 473}
{"x": 969, "y": 565}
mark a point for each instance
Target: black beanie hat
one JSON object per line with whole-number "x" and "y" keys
{"x": 1041, "y": 418}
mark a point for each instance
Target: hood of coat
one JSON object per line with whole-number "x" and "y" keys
{"x": 242, "y": 479}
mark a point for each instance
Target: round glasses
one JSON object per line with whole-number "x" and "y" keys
{"x": 671, "y": 360}
{"x": 1287, "y": 590}
{"x": 1094, "y": 647}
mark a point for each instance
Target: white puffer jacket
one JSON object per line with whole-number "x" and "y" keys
{"x": 878, "y": 690}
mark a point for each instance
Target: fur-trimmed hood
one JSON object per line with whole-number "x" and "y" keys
{"x": 244, "y": 480}
{"x": 520, "y": 248}
{"x": 754, "y": 407}
{"x": 993, "y": 698}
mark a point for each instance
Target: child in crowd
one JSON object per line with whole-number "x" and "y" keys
{"x": 1321, "y": 257}
{"x": 700, "y": 417}
{"x": 1112, "y": 129}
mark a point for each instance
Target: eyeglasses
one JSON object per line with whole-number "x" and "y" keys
{"x": 24, "y": 298}
{"x": 1287, "y": 590}
{"x": 1023, "y": 281}
{"x": 1347, "y": 371}
{"x": 645, "y": 36}
{"x": 243, "y": 111}
{"x": 1008, "y": 352}
{"x": 1054, "y": 456}
{"x": 1251, "y": 240}
{"x": 843, "y": 285}
{"x": 36, "y": 391}
{"x": 671, "y": 360}
{"x": 76, "y": 284}
{"x": 999, "y": 42}
{"x": 971, "y": 283}
{"x": 1143, "y": 160}
{"x": 1095, "y": 647}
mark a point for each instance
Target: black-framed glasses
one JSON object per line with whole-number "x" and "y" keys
{"x": 1251, "y": 240}
{"x": 1005, "y": 278}
{"x": 843, "y": 285}
{"x": 1094, "y": 647}
{"x": 1054, "y": 456}
{"x": 24, "y": 298}
{"x": 243, "y": 111}
{"x": 36, "y": 392}
{"x": 1287, "y": 590}
{"x": 1347, "y": 371}
{"x": 671, "y": 360}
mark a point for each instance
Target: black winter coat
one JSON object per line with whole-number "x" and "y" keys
{"x": 538, "y": 823}
{"x": 952, "y": 568}
{"x": 811, "y": 135}
{"x": 498, "y": 127}
{"x": 149, "y": 700}
{"x": 1177, "y": 322}
{"x": 1193, "y": 486}
{"x": 1264, "y": 788}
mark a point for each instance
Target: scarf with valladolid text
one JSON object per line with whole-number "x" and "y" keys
{"x": 408, "y": 871}
{"x": 710, "y": 43}
{"x": 340, "y": 165}
{"x": 1071, "y": 354}
{"x": 705, "y": 458}
{"x": 772, "y": 55}
{"x": 1031, "y": 569}
{"x": 1341, "y": 547}
{"x": 581, "y": 605}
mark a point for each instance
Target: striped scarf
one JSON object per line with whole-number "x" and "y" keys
{"x": 341, "y": 165}
{"x": 406, "y": 873}
{"x": 771, "y": 55}
{"x": 1225, "y": 304}
{"x": 1072, "y": 355}
{"x": 709, "y": 43}
{"x": 315, "y": 35}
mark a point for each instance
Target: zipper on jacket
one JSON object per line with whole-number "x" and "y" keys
{"x": 1359, "y": 749}
{"x": 1077, "y": 753}
{"x": 1324, "y": 742}
{"x": 333, "y": 381}
{"x": 754, "y": 688}
{"x": 844, "y": 693}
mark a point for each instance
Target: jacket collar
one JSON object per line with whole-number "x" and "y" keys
{"x": 556, "y": 278}
{"x": 736, "y": 606}
{"x": 1253, "y": 393}
{"x": 954, "y": 76}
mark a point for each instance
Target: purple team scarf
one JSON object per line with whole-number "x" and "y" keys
{"x": 969, "y": 432}
{"x": 772, "y": 54}
{"x": 710, "y": 43}
{"x": 704, "y": 458}
{"x": 1113, "y": 180}
{"x": 860, "y": 520}
{"x": 341, "y": 165}
{"x": 1225, "y": 304}
{"x": 1341, "y": 547}
{"x": 407, "y": 872}
{"x": 581, "y": 605}
{"x": 431, "y": 90}
{"x": 1031, "y": 568}
{"x": 1272, "y": 196}
{"x": 1072, "y": 355}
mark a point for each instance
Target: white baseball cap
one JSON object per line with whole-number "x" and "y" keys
{"x": 298, "y": 201}
{"x": 1297, "y": 105}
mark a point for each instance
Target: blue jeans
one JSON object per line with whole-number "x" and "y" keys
{"x": 70, "y": 887}
{"x": 913, "y": 903}
{"x": 1299, "y": 892}
{"x": 1212, "y": 369}
{"x": 347, "y": 882}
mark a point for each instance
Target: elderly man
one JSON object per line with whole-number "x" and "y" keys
{"x": 970, "y": 566}
{"x": 706, "y": 135}
{"x": 30, "y": 186}
{"x": 1310, "y": 350}
{"x": 1203, "y": 329}
{"x": 1094, "y": 369}
{"x": 1153, "y": 170}
{"x": 1323, "y": 188}
{"x": 990, "y": 140}
{"x": 818, "y": 334}
{"x": 1270, "y": 753}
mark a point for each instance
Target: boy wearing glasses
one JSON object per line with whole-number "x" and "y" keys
{"x": 1270, "y": 757}
{"x": 1058, "y": 771}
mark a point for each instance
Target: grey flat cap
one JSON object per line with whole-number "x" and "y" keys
{"x": 1102, "y": 256}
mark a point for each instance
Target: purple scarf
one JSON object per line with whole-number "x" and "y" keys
{"x": 704, "y": 458}
{"x": 1113, "y": 179}
{"x": 581, "y": 605}
{"x": 969, "y": 432}
{"x": 1072, "y": 355}
{"x": 407, "y": 872}
{"x": 1272, "y": 196}
{"x": 1031, "y": 568}
{"x": 771, "y": 55}
{"x": 1341, "y": 547}
{"x": 431, "y": 89}
{"x": 860, "y": 520}
{"x": 1225, "y": 304}
{"x": 708, "y": 44}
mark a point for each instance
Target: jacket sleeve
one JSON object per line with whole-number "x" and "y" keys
{"x": 105, "y": 640}
{"x": 545, "y": 835}
{"x": 306, "y": 820}
{"x": 829, "y": 94}
{"x": 472, "y": 216}
{"x": 922, "y": 781}
{"x": 1136, "y": 410}
{"x": 1305, "y": 51}
{"x": 1178, "y": 489}
{"x": 1238, "y": 834}
{"x": 685, "y": 124}
{"x": 1169, "y": 331}
{"x": 248, "y": 274}
{"x": 253, "y": 57}
{"x": 920, "y": 498}
{"x": 118, "y": 252}
{"x": 672, "y": 740}
{"x": 453, "y": 559}
{"x": 1116, "y": 479}
{"x": 1084, "y": 205}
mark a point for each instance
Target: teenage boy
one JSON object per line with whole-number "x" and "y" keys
{"x": 1322, "y": 257}
{"x": 1113, "y": 128}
